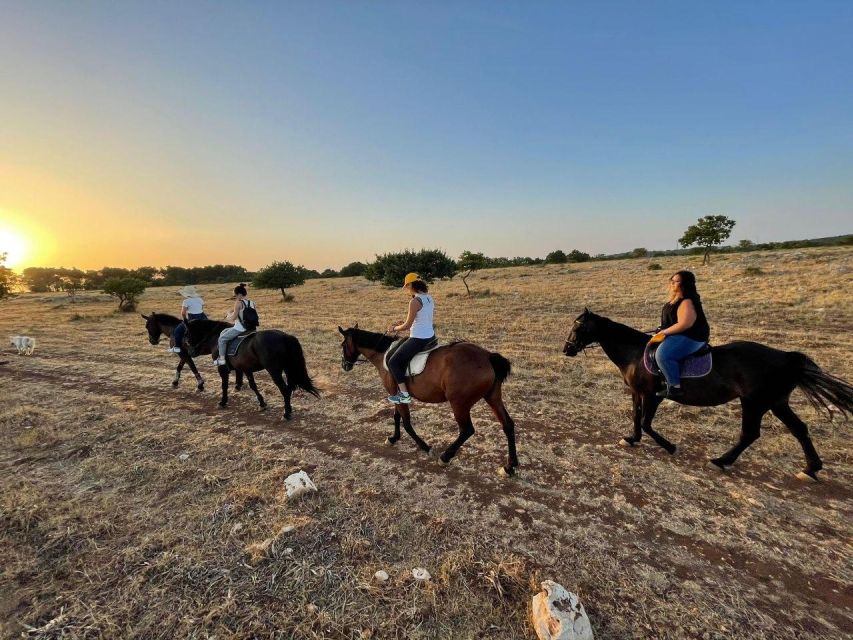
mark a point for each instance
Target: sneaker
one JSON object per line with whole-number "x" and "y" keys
{"x": 173, "y": 350}
{"x": 219, "y": 362}
{"x": 400, "y": 398}
{"x": 671, "y": 393}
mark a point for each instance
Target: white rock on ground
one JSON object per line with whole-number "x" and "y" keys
{"x": 381, "y": 576}
{"x": 421, "y": 574}
{"x": 298, "y": 484}
{"x": 557, "y": 614}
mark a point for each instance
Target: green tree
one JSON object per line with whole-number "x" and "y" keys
{"x": 639, "y": 252}
{"x": 746, "y": 245}
{"x": 8, "y": 278}
{"x": 556, "y": 257}
{"x": 280, "y": 275}
{"x": 353, "y": 269}
{"x": 578, "y": 256}
{"x": 429, "y": 264}
{"x": 707, "y": 233}
{"x": 126, "y": 289}
{"x": 467, "y": 264}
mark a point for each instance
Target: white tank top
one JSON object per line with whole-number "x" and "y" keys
{"x": 422, "y": 325}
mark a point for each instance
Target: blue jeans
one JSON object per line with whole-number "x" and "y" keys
{"x": 225, "y": 336}
{"x": 181, "y": 329}
{"x": 673, "y": 349}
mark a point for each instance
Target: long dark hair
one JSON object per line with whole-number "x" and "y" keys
{"x": 240, "y": 289}
{"x": 419, "y": 286}
{"x": 688, "y": 286}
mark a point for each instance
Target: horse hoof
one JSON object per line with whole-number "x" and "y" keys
{"x": 263, "y": 407}
{"x": 221, "y": 406}
{"x": 442, "y": 463}
{"x": 390, "y": 442}
{"x": 624, "y": 442}
{"x": 672, "y": 451}
{"x": 287, "y": 416}
{"x": 806, "y": 476}
{"x": 506, "y": 472}
{"x": 717, "y": 464}
{"x": 175, "y": 384}
{"x": 432, "y": 453}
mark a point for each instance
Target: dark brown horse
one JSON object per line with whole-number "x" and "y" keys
{"x": 277, "y": 352}
{"x": 762, "y": 377}
{"x": 460, "y": 373}
{"x": 162, "y": 324}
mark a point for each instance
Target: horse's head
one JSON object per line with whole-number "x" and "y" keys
{"x": 584, "y": 332}
{"x": 153, "y": 327}
{"x": 349, "y": 350}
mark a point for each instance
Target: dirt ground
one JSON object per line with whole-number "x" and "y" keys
{"x": 133, "y": 510}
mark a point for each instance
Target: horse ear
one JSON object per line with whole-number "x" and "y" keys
{"x": 144, "y": 316}
{"x": 341, "y": 330}
{"x": 355, "y": 326}
{"x": 586, "y": 311}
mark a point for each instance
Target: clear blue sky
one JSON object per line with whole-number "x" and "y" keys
{"x": 325, "y": 132}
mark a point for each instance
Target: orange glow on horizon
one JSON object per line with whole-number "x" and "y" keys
{"x": 16, "y": 247}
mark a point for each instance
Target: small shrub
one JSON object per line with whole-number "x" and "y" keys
{"x": 654, "y": 266}
{"x": 753, "y": 271}
{"x": 76, "y": 317}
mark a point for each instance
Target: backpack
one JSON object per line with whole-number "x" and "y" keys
{"x": 250, "y": 318}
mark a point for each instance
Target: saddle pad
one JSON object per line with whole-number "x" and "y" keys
{"x": 694, "y": 366}
{"x": 417, "y": 364}
{"x": 234, "y": 344}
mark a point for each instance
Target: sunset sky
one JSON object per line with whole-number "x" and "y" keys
{"x": 191, "y": 133}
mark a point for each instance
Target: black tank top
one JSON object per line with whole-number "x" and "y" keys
{"x": 700, "y": 331}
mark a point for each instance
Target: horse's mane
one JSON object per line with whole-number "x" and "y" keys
{"x": 372, "y": 340}
{"x": 165, "y": 318}
{"x": 622, "y": 332}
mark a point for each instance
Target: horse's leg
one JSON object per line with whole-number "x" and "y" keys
{"x": 394, "y": 438}
{"x": 407, "y": 425}
{"x": 198, "y": 378}
{"x": 238, "y": 384}
{"x": 286, "y": 392}
{"x": 650, "y": 407}
{"x": 251, "y": 378}
{"x": 223, "y": 373}
{"x": 752, "y": 412}
{"x": 800, "y": 431}
{"x": 637, "y": 414}
{"x": 466, "y": 430}
{"x": 499, "y": 409}
{"x": 178, "y": 371}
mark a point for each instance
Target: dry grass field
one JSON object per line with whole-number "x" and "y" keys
{"x": 108, "y": 531}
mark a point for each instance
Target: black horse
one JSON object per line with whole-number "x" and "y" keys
{"x": 275, "y": 351}
{"x": 162, "y": 324}
{"x": 762, "y": 377}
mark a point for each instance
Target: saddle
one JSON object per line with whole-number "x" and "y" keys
{"x": 233, "y": 345}
{"x": 696, "y": 365}
{"x": 418, "y": 362}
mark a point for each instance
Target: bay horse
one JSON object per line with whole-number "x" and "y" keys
{"x": 277, "y": 352}
{"x": 162, "y": 324}
{"x": 460, "y": 373}
{"x": 762, "y": 377}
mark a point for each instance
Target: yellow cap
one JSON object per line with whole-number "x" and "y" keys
{"x": 410, "y": 278}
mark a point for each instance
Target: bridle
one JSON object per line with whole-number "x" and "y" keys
{"x": 347, "y": 365}
{"x": 576, "y": 344}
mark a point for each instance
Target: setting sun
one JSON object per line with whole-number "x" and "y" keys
{"x": 15, "y": 246}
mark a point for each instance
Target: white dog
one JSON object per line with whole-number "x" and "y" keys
{"x": 24, "y": 344}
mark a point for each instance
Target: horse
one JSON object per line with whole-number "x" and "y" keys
{"x": 460, "y": 373}
{"x": 273, "y": 350}
{"x": 762, "y": 378}
{"x": 162, "y": 324}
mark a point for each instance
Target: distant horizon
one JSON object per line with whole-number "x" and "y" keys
{"x": 324, "y": 133}
{"x": 455, "y": 257}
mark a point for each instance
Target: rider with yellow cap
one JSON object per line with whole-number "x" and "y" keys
{"x": 421, "y": 332}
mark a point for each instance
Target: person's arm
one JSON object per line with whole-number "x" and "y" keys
{"x": 686, "y": 319}
{"x": 234, "y": 313}
{"x": 415, "y": 305}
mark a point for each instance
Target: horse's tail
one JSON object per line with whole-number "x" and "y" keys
{"x": 821, "y": 388}
{"x": 501, "y": 365}
{"x": 297, "y": 371}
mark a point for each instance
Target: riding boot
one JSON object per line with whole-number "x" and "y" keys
{"x": 671, "y": 393}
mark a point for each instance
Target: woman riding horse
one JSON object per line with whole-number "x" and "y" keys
{"x": 421, "y": 333}
{"x": 683, "y": 331}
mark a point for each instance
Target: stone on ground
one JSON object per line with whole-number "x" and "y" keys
{"x": 557, "y": 614}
